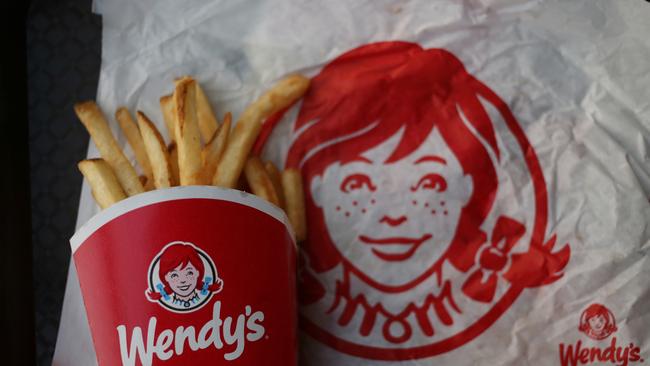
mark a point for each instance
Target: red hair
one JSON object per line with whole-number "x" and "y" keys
{"x": 364, "y": 97}
{"x": 596, "y": 310}
{"x": 179, "y": 254}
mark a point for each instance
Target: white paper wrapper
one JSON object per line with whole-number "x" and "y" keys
{"x": 576, "y": 74}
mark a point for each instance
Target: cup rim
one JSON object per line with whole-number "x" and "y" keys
{"x": 172, "y": 194}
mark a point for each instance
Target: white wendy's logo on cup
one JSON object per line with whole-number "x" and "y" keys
{"x": 182, "y": 278}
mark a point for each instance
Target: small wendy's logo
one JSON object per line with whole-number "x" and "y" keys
{"x": 182, "y": 278}
{"x": 597, "y": 322}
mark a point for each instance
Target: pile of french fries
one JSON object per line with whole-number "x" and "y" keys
{"x": 202, "y": 151}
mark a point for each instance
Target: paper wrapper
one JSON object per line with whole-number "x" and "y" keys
{"x": 476, "y": 172}
{"x": 179, "y": 275}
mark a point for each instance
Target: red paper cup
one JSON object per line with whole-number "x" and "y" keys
{"x": 189, "y": 276}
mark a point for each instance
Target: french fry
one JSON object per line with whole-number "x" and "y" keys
{"x": 283, "y": 94}
{"x": 169, "y": 116}
{"x": 208, "y": 123}
{"x": 157, "y": 152}
{"x": 173, "y": 162}
{"x": 146, "y": 183}
{"x": 94, "y": 121}
{"x": 295, "y": 202}
{"x": 103, "y": 182}
{"x": 276, "y": 179}
{"x": 259, "y": 180}
{"x": 214, "y": 148}
{"x": 132, "y": 133}
{"x": 188, "y": 139}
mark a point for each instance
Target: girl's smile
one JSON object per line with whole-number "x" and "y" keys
{"x": 396, "y": 248}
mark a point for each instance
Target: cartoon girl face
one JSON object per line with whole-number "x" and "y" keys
{"x": 181, "y": 270}
{"x": 400, "y": 156}
{"x": 183, "y": 280}
{"x": 597, "y": 323}
{"x": 394, "y": 199}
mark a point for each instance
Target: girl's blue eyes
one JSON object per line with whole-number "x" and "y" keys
{"x": 188, "y": 273}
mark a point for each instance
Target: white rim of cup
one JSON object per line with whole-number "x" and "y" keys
{"x": 173, "y": 194}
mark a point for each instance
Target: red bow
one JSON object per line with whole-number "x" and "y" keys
{"x": 538, "y": 266}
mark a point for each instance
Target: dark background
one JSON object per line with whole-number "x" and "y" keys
{"x": 15, "y": 256}
{"x": 63, "y": 58}
{"x": 53, "y": 61}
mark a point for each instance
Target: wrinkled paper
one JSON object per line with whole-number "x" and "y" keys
{"x": 575, "y": 75}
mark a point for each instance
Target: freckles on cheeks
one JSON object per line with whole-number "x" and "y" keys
{"x": 440, "y": 208}
{"x": 349, "y": 211}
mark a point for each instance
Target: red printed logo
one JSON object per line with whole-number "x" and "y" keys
{"x": 597, "y": 322}
{"x": 427, "y": 206}
{"x": 182, "y": 278}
